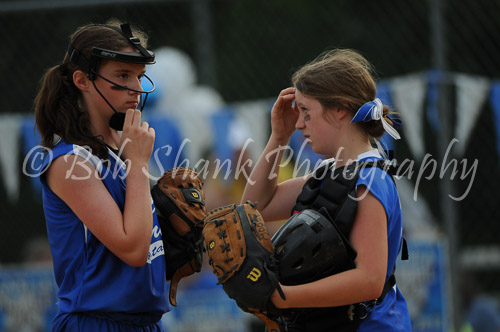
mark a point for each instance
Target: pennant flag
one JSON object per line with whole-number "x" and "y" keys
{"x": 221, "y": 124}
{"x": 495, "y": 105}
{"x": 409, "y": 96}
{"x": 32, "y": 152}
{"x": 472, "y": 92}
{"x": 9, "y": 154}
{"x": 384, "y": 94}
{"x": 434, "y": 78}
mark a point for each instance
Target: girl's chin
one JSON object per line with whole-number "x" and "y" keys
{"x": 315, "y": 149}
{"x": 320, "y": 151}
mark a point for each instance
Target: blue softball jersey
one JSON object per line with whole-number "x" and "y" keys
{"x": 89, "y": 276}
{"x": 392, "y": 314}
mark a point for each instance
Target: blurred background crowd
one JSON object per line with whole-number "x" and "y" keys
{"x": 220, "y": 65}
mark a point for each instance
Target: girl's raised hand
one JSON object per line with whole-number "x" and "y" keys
{"x": 284, "y": 115}
{"x": 137, "y": 139}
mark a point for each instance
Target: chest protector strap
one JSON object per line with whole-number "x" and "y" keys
{"x": 335, "y": 190}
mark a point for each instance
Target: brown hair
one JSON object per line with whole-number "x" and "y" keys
{"x": 59, "y": 110}
{"x": 341, "y": 78}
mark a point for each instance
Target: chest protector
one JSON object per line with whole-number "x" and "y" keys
{"x": 335, "y": 190}
{"x": 314, "y": 243}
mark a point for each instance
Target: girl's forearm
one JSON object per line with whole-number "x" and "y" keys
{"x": 138, "y": 214}
{"x": 263, "y": 180}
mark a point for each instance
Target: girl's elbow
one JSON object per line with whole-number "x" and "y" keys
{"x": 136, "y": 261}
{"x": 376, "y": 287}
{"x": 137, "y": 257}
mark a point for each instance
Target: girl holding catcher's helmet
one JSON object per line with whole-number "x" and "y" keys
{"x": 333, "y": 102}
{"x": 102, "y": 228}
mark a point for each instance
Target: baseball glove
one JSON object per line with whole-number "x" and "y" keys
{"x": 241, "y": 254}
{"x": 180, "y": 206}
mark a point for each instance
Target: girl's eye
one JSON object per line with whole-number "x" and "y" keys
{"x": 123, "y": 76}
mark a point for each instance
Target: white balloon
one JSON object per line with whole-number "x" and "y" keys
{"x": 173, "y": 72}
{"x": 196, "y": 106}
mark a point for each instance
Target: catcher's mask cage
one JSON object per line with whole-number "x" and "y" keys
{"x": 310, "y": 247}
{"x": 91, "y": 67}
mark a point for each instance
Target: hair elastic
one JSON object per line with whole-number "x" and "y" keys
{"x": 374, "y": 110}
{"x": 63, "y": 69}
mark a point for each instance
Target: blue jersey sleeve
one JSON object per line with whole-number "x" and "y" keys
{"x": 380, "y": 184}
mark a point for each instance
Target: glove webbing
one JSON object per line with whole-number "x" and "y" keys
{"x": 227, "y": 260}
{"x": 225, "y": 247}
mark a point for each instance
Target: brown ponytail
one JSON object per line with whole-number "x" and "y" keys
{"x": 58, "y": 114}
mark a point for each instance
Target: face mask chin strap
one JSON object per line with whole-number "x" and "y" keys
{"x": 118, "y": 118}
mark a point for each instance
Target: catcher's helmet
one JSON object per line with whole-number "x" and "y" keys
{"x": 310, "y": 247}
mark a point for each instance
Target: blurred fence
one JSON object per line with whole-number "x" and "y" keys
{"x": 437, "y": 63}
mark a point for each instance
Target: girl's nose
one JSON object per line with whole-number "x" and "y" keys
{"x": 300, "y": 122}
{"x": 136, "y": 85}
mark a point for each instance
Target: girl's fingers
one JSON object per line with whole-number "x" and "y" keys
{"x": 284, "y": 100}
{"x": 136, "y": 121}
{"x": 287, "y": 91}
{"x": 129, "y": 117}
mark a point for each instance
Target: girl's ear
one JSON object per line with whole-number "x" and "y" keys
{"x": 341, "y": 113}
{"x": 81, "y": 80}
